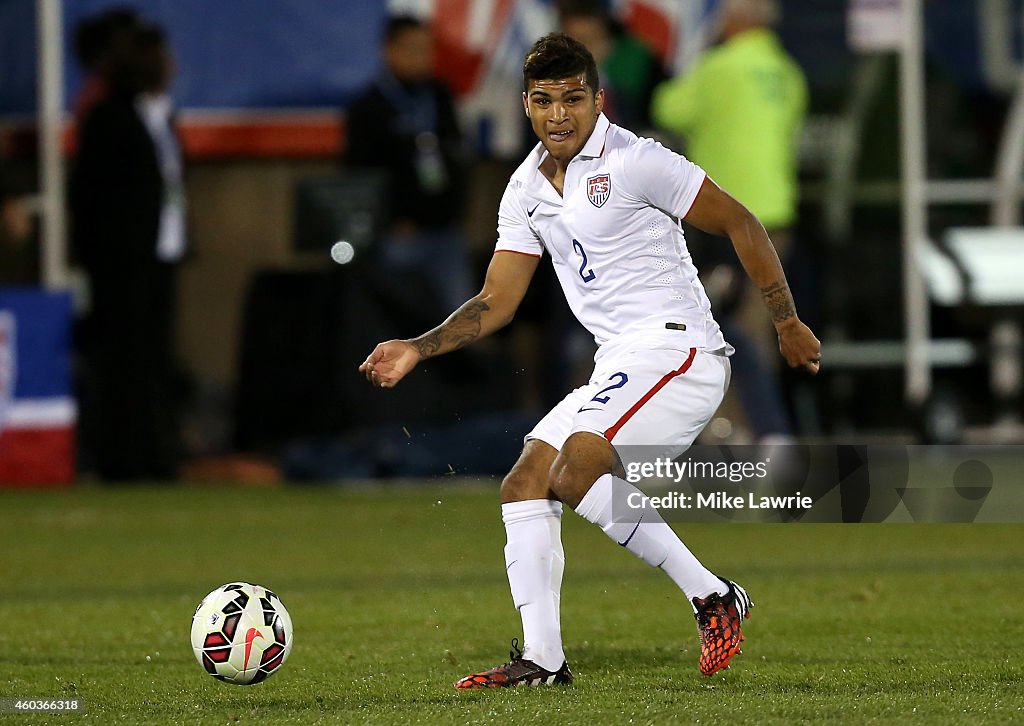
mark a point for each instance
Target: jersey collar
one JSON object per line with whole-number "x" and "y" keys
{"x": 595, "y": 144}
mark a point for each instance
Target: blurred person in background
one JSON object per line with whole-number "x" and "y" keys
{"x": 740, "y": 112}
{"x": 19, "y": 258}
{"x": 14, "y": 210}
{"x": 98, "y": 40}
{"x": 405, "y": 124}
{"x": 629, "y": 69}
{"x": 128, "y": 211}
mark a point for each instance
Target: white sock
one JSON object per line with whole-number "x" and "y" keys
{"x": 647, "y": 536}
{"x": 530, "y": 563}
{"x": 557, "y": 556}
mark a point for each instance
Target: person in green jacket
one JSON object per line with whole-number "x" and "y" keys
{"x": 740, "y": 111}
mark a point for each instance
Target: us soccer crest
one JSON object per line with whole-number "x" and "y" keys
{"x": 599, "y": 188}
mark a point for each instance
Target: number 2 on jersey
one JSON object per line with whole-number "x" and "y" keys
{"x": 621, "y": 378}
{"x": 587, "y": 275}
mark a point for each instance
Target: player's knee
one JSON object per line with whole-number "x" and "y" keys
{"x": 520, "y": 485}
{"x": 570, "y": 482}
{"x": 583, "y": 459}
{"x": 561, "y": 480}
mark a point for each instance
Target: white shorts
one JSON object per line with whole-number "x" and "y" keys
{"x": 658, "y": 398}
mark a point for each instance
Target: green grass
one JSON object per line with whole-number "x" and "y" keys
{"x": 396, "y": 592}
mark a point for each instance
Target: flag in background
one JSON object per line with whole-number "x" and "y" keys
{"x": 678, "y": 30}
{"x": 481, "y": 45}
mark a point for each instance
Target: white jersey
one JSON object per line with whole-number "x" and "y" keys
{"x": 614, "y": 236}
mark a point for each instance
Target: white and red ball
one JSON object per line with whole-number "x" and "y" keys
{"x": 241, "y": 633}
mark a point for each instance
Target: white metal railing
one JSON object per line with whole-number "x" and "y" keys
{"x": 50, "y": 112}
{"x": 917, "y": 325}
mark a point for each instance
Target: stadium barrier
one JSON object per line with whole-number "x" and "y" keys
{"x": 37, "y": 408}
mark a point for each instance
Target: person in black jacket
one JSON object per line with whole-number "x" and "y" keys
{"x": 128, "y": 210}
{"x": 405, "y": 124}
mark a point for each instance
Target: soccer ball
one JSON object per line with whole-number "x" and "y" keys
{"x": 241, "y": 633}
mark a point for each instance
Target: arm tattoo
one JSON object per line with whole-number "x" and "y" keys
{"x": 461, "y": 329}
{"x": 779, "y": 301}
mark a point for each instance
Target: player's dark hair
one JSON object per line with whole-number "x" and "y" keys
{"x": 557, "y": 56}
{"x": 398, "y": 24}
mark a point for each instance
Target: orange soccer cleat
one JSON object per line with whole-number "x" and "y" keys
{"x": 719, "y": 621}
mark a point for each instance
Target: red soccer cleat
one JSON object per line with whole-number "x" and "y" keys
{"x": 719, "y": 621}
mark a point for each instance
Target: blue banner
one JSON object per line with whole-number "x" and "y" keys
{"x": 230, "y": 53}
{"x": 38, "y": 331}
{"x": 37, "y": 409}
{"x": 252, "y": 54}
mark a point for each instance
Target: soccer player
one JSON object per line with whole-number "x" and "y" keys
{"x": 605, "y": 205}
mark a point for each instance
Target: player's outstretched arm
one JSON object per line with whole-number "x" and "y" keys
{"x": 508, "y": 277}
{"x": 716, "y": 212}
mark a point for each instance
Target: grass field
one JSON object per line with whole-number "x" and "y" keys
{"x": 397, "y": 591}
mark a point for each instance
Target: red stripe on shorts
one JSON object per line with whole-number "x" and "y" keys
{"x": 610, "y": 433}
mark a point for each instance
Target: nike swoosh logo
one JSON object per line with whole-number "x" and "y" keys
{"x": 590, "y": 409}
{"x": 250, "y": 636}
{"x": 633, "y": 532}
{"x": 530, "y": 212}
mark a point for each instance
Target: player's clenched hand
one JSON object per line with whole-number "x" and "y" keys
{"x": 389, "y": 362}
{"x": 799, "y": 346}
